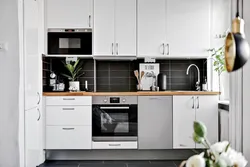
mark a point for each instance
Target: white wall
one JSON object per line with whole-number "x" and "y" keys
{"x": 9, "y": 84}
{"x": 246, "y": 90}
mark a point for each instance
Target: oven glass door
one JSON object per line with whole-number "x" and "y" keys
{"x": 70, "y": 43}
{"x": 114, "y": 121}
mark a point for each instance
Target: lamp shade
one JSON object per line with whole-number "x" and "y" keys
{"x": 236, "y": 47}
{"x": 236, "y": 51}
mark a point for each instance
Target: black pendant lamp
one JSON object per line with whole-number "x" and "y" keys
{"x": 236, "y": 48}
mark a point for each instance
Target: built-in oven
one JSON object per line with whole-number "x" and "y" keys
{"x": 114, "y": 122}
{"x": 69, "y": 42}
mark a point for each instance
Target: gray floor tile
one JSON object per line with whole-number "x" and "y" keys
{"x": 138, "y": 162}
{"x": 177, "y": 163}
{"x": 91, "y": 162}
{"x": 167, "y": 163}
{"x": 147, "y": 165}
{"x": 103, "y": 165}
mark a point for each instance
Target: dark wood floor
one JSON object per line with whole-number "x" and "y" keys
{"x": 111, "y": 164}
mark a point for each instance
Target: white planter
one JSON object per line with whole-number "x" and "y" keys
{"x": 224, "y": 84}
{"x": 75, "y": 85}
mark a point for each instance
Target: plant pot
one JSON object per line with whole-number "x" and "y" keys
{"x": 224, "y": 85}
{"x": 75, "y": 85}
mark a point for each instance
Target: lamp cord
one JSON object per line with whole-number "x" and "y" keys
{"x": 238, "y": 9}
{"x": 242, "y": 9}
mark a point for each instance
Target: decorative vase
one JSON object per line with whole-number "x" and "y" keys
{"x": 224, "y": 86}
{"x": 75, "y": 85}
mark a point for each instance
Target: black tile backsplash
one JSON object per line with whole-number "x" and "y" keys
{"x": 88, "y": 70}
{"x": 46, "y": 70}
{"x": 113, "y": 76}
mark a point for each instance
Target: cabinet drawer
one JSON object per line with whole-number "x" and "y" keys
{"x": 68, "y": 115}
{"x": 114, "y": 145}
{"x": 69, "y": 100}
{"x": 68, "y": 137}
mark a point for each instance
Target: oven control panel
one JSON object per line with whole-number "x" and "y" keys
{"x": 114, "y": 100}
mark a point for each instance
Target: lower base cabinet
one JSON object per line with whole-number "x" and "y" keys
{"x": 186, "y": 110}
{"x": 68, "y": 137}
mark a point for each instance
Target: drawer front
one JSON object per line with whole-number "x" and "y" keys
{"x": 114, "y": 145}
{"x": 69, "y": 100}
{"x": 68, "y": 137}
{"x": 68, "y": 115}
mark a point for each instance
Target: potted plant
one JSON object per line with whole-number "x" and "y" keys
{"x": 218, "y": 56}
{"x": 217, "y": 155}
{"x": 74, "y": 72}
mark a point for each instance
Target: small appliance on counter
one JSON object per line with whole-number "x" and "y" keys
{"x": 162, "y": 81}
{"x": 55, "y": 84}
{"x": 151, "y": 71}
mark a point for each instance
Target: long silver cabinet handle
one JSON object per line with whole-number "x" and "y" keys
{"x": 112, "y": 48}
{"x": 68, "y": 128}
{"x": 114, "y": 145}
{"x": 68, "y": 109}
{"x": 68, "y": 98}
{"x": 114, "y": 108}
{"x": 182, "y": 145}
{"x": 117, "y": 48}
{"x": 193, "y": 103}
{"x": 168, "y": 49}
{"x": 89, "y": 20}
{"x": 39, "y": 117}
{"x": 198, "y": 102}
{"x": 163, "y": 48}
{"x": 39, "y": 98}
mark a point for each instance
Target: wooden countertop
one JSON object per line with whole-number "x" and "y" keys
{"x": 164, "y": 93}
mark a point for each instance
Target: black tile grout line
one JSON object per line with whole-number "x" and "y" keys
{"x": 129, "y": 83}
{"x": 109, "y": 76}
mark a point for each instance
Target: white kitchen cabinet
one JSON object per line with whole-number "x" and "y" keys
{"x": 186, "y": 110}
{"x": 115, "y": 28}
{"x": 68, "y": 137}
{"x": 69, "y": 115}
{"x": 125, "y": 27}
{"x": 68, "y": 122}
{"x": 188, "y": 28}
{"x": 69, "y": 13}
{"x": 183, "y": 118}
{"x": 173, "y": 29}
{"x": 208, "y": 113}
{"x": 32, "y": 36}
{"x": 104, "y": 24}
{"x": 33, "y": 138}
{"x": 151, "y": 28}
{"x": 32, "y": 59}
{"x": 69, "y": 101}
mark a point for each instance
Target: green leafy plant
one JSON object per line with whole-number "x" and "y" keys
{"x": 218, "y": 55}
{"x": 74, "y": 70}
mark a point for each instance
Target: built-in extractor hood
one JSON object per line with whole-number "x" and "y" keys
{"x": 120, "y": 58}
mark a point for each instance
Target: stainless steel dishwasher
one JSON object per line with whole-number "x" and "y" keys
{"x": 155, "y": 122}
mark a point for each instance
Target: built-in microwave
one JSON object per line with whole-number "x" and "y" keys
{"x": 69, "y": 42}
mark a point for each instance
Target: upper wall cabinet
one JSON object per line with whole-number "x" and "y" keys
{"x": 151, "y": 28}
{"x": 115, "y": 27}
{"x": 69, "y": 13}
{"x": 173, "y": 29}
{"x": 188, "y": 28}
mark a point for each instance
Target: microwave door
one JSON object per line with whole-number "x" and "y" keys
{"x": 70, "y": 43}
